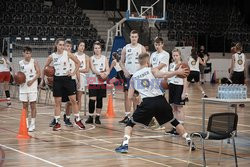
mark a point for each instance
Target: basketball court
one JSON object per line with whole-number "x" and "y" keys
{"x": 95, "y": 145}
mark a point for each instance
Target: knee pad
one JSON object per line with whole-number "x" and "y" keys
{"x": 175, "y": 122}
{"x": 91, "y": 106}
{"x": 130, "y": 123}
{"x": 99, "y": 102}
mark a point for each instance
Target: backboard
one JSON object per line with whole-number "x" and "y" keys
{"x": 141, "y": 10}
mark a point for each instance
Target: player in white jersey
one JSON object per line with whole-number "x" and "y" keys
{"x": 83, "y": 70}
{"x": 153, "y": 102}
{"x": 129, "y": 64}
{"x": 238, "y": 67}
{"x": 160, "y": 60}
{"x": 97, "y": 84}
{"x": 28, "y": 90}
{"x": 63, "y": 81}
{"x": 5, "y": 76}
{"x": 65, "y": 98}
{"x": 177, "y": 90}
{"x": 193, "y": 63}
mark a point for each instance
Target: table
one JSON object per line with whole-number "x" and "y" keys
{"x": 228, "y": 102}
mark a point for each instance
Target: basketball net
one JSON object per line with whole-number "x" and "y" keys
{"x": 151, "y": 21}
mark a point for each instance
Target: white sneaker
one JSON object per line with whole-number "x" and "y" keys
{"x": 32, "y": 127}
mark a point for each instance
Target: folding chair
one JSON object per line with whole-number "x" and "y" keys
{"x": 220, "y": 126}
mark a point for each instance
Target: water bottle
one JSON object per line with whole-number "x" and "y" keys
{"x": 244, "y": 91}
{"x": 223, "y": 87}
{"x": 219, "y": 92}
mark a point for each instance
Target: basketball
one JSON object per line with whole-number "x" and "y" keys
{"x": 19, "y": 77}
{"x": 183, "y": 65}
{"x": 49, "y": 71}
{"x": 164, "y": 84}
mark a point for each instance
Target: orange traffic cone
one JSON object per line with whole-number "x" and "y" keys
{"x": 23, "y": 131}
{"x": 110, "y": 110}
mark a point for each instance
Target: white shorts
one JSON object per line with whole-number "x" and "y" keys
{"x": 82, "y": 83}
{"x": 28, "y": 97}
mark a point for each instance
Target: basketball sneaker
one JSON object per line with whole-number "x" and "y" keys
{"x": 172, "y": 132}
{"x": 57, "y": 127}
{"x": 124, "y": 120}
{"x": 68, "y": 122}
{"x": 32, "y": 127}
{"x": 8, "y": 104}
{"x": 52, "y": 123}
{"x": 122, "y": 149}
{"x": 97, "y": 120}
{"x": 189, "y": 142}
{"x": 79, "y": 124}
{"x": 89, "y": 120}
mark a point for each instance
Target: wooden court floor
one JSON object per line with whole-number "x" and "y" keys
{"x": 95, "y": 145}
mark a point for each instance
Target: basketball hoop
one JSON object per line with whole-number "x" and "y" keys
{"x": 151, "y": 21}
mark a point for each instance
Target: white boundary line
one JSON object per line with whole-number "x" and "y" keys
{"x": 32, "y": 156}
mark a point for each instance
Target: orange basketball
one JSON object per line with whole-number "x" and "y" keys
{"x": 49, "y": 71}
{"x": 183, "y": 65}
{"x": 164, "y": 84}
{"x": 19, "y": 77}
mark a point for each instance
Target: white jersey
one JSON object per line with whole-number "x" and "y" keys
{"x": 146, "y": 84}
{"x": 132, "y": 57}
{"x": 157, "y": 58}
{"x": 72, "y": 67}
{"x": 28, "y": 68}
{"x": 117, "y": 66}
{"x": 174, "y": 80}
{"x": 83, "y": 77}
{"x": 193, "y": 65}
{"x": 3, "y": 65}
{"x": 61, "y": 63}
{"x": 82, "y": 59}
{"x": 99, "y": 65}
{"x": 239, "y": 62}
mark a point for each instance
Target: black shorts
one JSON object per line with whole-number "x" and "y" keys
{"x": 238, "y": 77}
{"x": 150, "y": 107}
{"x": 175, "y": 92}
{"x": 65, "y": 98}
{"x": 194, "y": 75}
{"x": 97, "y": 90}
{"x": 63, "y": 85}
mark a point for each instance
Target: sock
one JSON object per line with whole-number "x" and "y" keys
{"x": 186, "y": 94}
{"x": 7, "y": 93}
{"x": 186, "y": 136}
{"x": 77, "y": 116}
{"x": 127, "y": 114}
{"x": 68, "y": 116}
{"x": 57, "y": 118}
{"x": 203, "y": 93}
{"x": 181, "y": 122}
{"x": 125, "y": 139}
{"x": 33, "y": 121}
{"x": 97, "y": 114}
{"x": 91, "y": 114}
{"x": 27, "y": 122}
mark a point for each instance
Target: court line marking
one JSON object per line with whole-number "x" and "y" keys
{"x": 30, "y": 155}
{"x": 165, "y": 156}
{"x": 102, "y": 148}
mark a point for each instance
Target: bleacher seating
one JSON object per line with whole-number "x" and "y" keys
{"x": 34, "y": 18}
